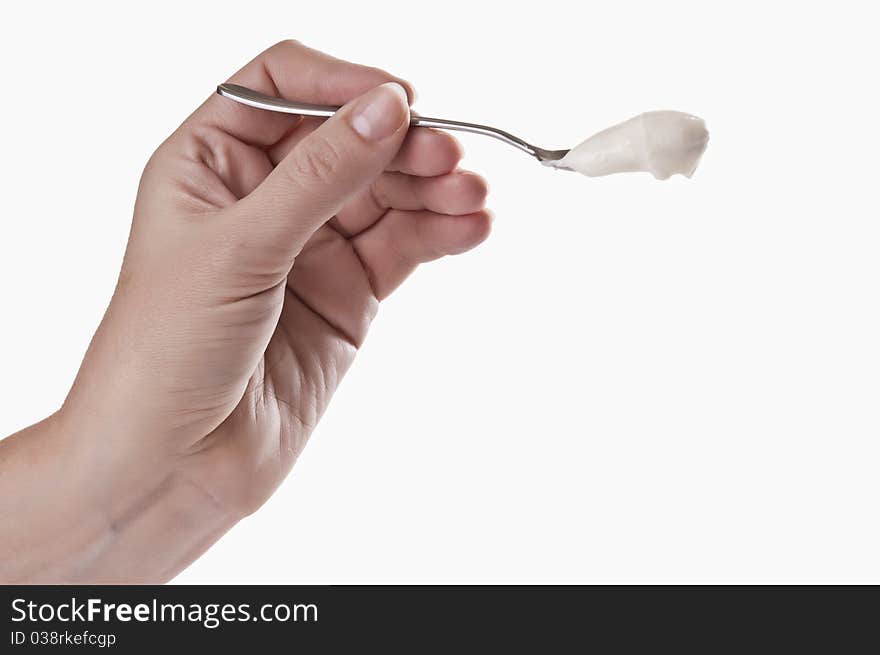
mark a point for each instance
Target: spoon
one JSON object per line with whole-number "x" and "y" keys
{"x": 259, "y": 100}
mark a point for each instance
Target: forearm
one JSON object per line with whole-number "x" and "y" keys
{"x": 74, "y": 508}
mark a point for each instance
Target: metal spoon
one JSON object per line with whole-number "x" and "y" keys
{"x": 259, "y": 100}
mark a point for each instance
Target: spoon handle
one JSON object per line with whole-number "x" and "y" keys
{"x": 259, "y": 100}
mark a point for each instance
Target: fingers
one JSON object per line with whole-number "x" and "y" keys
{"x": 427, "y": 152}
{"x": 459, "y": 192}
{"x": 289, "y": 70}
{"x": 319, "y": 176}
{"x": 424, "y": 152}
{"x": 397, "y": 244}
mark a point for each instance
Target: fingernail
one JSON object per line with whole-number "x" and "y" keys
{"x": 381, "y": 112}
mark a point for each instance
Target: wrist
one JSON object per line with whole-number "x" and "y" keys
{"x": 155, "y": 519}
{"x": 97, "y": 507}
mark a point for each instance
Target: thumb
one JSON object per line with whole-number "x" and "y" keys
{"x": 322, "y": 173}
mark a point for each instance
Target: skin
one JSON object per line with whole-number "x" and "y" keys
{"x": 260, "y": 248}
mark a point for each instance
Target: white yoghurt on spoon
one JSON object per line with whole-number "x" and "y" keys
{"x": 663, "y": 143}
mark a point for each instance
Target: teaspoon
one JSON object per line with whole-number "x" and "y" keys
{"x": 259, "y": 100}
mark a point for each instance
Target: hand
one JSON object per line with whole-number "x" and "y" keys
{"x": 260, "y": 248}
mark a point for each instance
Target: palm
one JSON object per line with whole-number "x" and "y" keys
{"x": 327, "y": 306}
{"x": 326, "y": 303}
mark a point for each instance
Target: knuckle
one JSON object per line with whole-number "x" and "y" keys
{"x": 316, "y": 161}
{"x": 378, "y": 196}
{"x": 244, "y": 259}
{"x": 286, "y": 45}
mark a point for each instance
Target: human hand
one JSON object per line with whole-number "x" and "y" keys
{"x": 260, "y": 248}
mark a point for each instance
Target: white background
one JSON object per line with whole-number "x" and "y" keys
{"x": 631, "y": 381}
